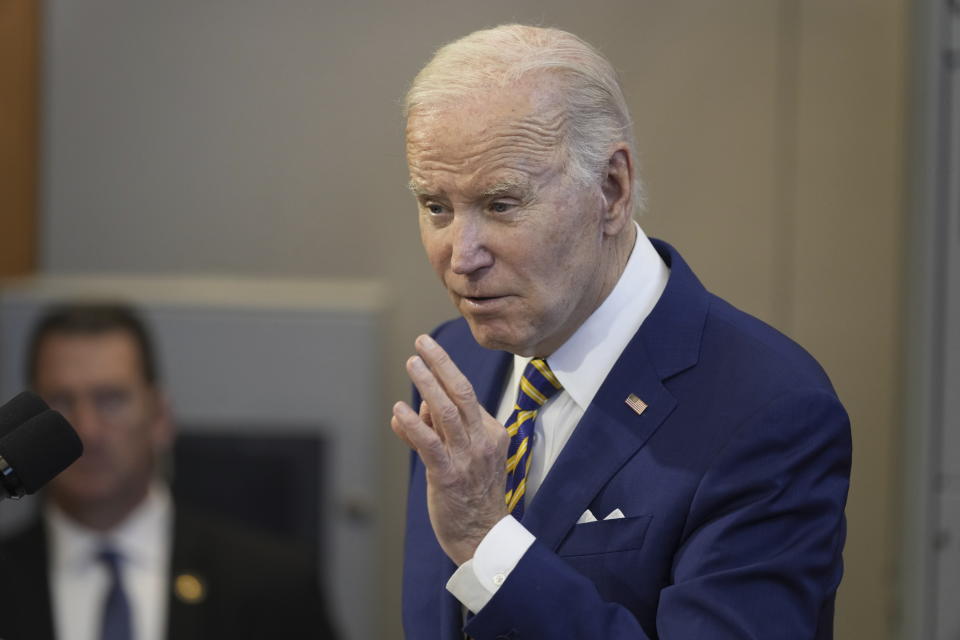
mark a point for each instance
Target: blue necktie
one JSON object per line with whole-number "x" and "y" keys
{"x": 116, "y": 608}
{"x": 537, "y": 385}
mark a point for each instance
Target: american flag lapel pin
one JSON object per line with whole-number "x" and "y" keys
{"x": 636, "y": 404}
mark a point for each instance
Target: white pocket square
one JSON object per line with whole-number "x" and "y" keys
{"x": 589, "y": 517}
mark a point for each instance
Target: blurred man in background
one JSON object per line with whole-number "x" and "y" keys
{"x": 112, "y": 557}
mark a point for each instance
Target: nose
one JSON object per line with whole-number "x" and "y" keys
{"x": 469, "y": 252}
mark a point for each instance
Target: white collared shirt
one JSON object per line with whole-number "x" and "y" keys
{"x": 581, "y": 365}
{"x": 79, "y": 580}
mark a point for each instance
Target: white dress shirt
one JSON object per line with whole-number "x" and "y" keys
{"x": 581, "y": 365}
{"x": 79, "y": 579}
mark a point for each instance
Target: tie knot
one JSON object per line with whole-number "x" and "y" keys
{"x": 110, "y": 557}
{"x": 537, "y": 385}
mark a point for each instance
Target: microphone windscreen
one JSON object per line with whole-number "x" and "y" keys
{"x": 20, "y": 409}
{"x": 41, "y": 448}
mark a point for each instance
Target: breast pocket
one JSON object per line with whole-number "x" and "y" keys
{"x": 605, "y": 536}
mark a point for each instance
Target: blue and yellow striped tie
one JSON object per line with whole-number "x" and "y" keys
{"x": 537, "y": 385}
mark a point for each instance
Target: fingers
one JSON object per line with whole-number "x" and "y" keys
{"x": 400, "y": 432}
{"x": 411, "y": 429}
{"x": 449, "y": 411}
{"x": 425, "y": 414}
{"x": 445, "y": 415}
{"x": 456, "y": 385}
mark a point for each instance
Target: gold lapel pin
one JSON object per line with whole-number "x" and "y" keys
{"x": 189, "y": 588}
{"x": 636, "y": 404}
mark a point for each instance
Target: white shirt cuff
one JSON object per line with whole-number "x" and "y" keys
{"x": 477, "y": 579}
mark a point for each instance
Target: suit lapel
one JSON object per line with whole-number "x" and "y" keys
{"x": 608, "y": 434}
{"x": 184, "y": 617}
{"x": 610, "y": 431}
{"x": 488, "y": 377}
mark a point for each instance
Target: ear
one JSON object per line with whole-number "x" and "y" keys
{"x": 618, "y": 191}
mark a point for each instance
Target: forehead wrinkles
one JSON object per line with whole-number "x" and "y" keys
{"x": 530, "y": 144}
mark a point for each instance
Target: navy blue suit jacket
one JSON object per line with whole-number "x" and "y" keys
{"x": 733, "y": 483}
{"x": 256, "y": 586}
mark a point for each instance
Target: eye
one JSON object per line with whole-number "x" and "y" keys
{"x": 500, "y": 207}
{"x": 61, "y": 402}
{"x": 435, "y": 209}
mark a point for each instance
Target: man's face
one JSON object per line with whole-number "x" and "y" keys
{"x": 97, "y": 383}
{"x": 518, "y": 243}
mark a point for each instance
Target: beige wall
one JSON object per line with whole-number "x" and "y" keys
{"x": 265, "y": 138}
{"x": 849, "y": 244}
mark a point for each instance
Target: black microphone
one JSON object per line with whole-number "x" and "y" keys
{"x": 36, "y": 451}
{"x": 17, "y": 411}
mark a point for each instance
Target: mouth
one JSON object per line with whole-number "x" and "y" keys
{"x": 483, "y": 303}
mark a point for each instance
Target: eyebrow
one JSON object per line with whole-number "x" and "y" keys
{"x": 418, "y": 191}
{"x": 493, "y": 191}
{"x": 505, "y": 187}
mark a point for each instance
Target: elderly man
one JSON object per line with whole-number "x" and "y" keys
{"x": 603, "y": 449}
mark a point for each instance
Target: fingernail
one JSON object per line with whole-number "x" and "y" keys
{"x": 415, "y": 362}
{"x": 426, "y": 341}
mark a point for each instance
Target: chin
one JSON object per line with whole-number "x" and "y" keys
{"x": 489, "y": 338}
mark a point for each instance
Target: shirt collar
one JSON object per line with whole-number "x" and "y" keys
{"x": 138, "y": 538}
{"x": 582, "y": 363}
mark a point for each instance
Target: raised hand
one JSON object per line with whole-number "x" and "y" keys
{"x": 463, "y": 448}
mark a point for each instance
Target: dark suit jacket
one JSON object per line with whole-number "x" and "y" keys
{"x": 254, "y": 586}
{"x": 733, "y": 482}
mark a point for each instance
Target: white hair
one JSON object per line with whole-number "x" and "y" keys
{"x": 596, "y": 111}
